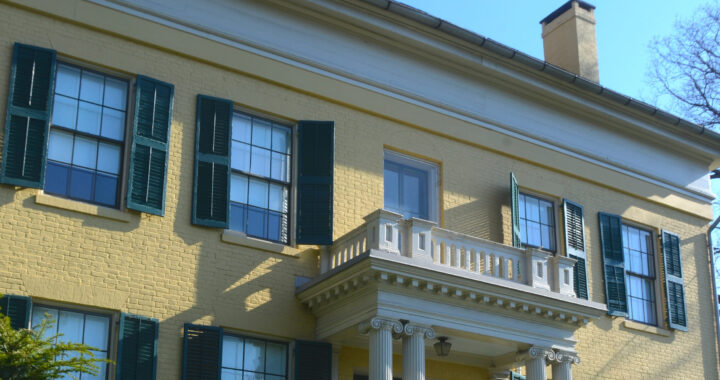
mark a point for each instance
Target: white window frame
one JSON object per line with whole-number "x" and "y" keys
{"x": 660, "y": 298}
{"x": 433, "y": 179}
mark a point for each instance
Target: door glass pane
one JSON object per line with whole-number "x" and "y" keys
{"x": 392, "y": 187}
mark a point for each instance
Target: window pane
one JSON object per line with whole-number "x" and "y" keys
{"x": 260, "y": 163}
{"x": 85, "y": 152}
{"x": 281, "y": 139}
{"x": 67, "y": 81}
{"x": 254, "y": 355}
{"x": 81, "y": 181}
{"x": 70, "y": 324}
{"x": 109, "y": 158}
{"x": 113, "y": 124}
{"x": 257, "y": 222}
{"x": 91, "y": 87}
{"x": 238, "y": 188}
{"x": 241, "y": 128}
{"x": 276, "y": 358}
{"x": 56, "y": 178}
{"x": 391, "y": 179}
{"x": 278, "y": 198}
{"x": 240, "y": 156}
{"x": 252, "y": 376}
{"x": 106, "y": 189}
{"x": 232, "y": 352}
{"x": 546, "y": 213}
{"x": 261, "y": 133}
{"x": 38, "y": 314}
{"x": 275, "y": 226}
{"x": 532, "y": 209}
{"x": 414, "y": 194}
{"x": 634, "y": 239}
{"x": 636, "y": 262}
{"x": 60, "y": 147}
{"x": 521, "y": 205}
{"x": 96, "y": 332}
{"x": 238, "y": 217}
{"x": 229, "y": 374}
{"x": 271, "y": 377}
{"x": 258, "y": 193}
{"x": 89, "y": 117}
{"x": 115, "y": 93}
{"x": 64, "y": 112}
{"x": 548, "y": 240}
{"x": 101, "y": 372}
{"x": 533, "y": 231}
{"x": 280, "y": 166}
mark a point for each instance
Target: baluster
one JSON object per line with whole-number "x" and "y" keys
{"x": 466, "y": 256}
{"x": 456, "y": 256}
{"x": 476, "y": 256}
{"x": 496, "y": 265}
{"x": 447, "y": 260}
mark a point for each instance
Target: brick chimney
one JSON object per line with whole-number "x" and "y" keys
{"x": 569, "y": 39}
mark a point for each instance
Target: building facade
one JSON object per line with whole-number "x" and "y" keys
{"x": 337, "y": 189}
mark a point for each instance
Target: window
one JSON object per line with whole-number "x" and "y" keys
{"x": 78, "y": 327}
{"x": 260, "y": 179}
{"x": 537, "y": 222}
{"x": 410, "y": 186}
{"x": 245, "y": 358}
{"x": 87, "y": 135}
{"x": 639, "y": 274}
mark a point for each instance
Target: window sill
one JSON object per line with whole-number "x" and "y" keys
{"x": 646, "y": 328}
{"x": 68, "y": 204}
{"x": 239, "y": 238}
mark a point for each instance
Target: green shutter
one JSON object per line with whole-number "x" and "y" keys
{"x": 137, "y": 348}
{"x": 575, "y": 245}
{"x": 313, "y": 360}
{"x": 613, "y": 263}
{"x": 516, "y": 376}
{"x": 515, "y": 210}
{"x": 316, "y": 142}
{"x": 202, "y": 352}
{"x": 149, "y": 154}
{"x": 211, "y": 191}
{"x": 18, "y": 309}
{"x": 28, "y": 116}
{"x": 674, "y": 283}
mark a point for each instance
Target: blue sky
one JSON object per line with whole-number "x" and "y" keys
{"x": 624, "y": 29}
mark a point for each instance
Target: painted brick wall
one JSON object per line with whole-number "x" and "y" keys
{"x": 166, "y": 268}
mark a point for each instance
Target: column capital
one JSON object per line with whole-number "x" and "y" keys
{"x": 380, "y": 323}
{"x": 536, "y": 352}
{"x": 426, "y": 332}
{"x": 567, "y": 357}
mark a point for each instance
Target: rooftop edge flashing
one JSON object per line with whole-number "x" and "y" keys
{"x": 552, "y": 70}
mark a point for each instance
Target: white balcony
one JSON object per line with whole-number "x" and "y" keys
{"x": 423, "y": 243}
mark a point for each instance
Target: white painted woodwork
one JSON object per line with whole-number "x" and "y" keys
{"x": 380, "y": 332}
{"x": 365, "y": 46}
{"x": 535, "y": 363}
{"x": 413, "y": 351}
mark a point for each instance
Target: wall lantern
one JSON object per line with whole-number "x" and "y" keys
{"x": 442, "y": 348}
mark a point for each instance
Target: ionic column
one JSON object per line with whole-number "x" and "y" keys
{"x": 414, "y": 351}
{"x": 380, "y": 331}
{"x": 562, "y": 365}
{"x": 535, "y": 362}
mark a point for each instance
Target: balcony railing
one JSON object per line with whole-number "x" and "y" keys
{"x": 424, "y": 243}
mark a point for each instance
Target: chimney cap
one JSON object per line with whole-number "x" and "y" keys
{"x": 564, "y": 8}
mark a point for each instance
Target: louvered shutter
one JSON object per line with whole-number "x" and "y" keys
{"x": 613, "y": 263}
{"x": 137, "y": 348}
{"x": 575, "y": 245}
{"x": 149, "y": 152}
{"x": 202, "y": 352}
{"x": 18, "y": 309}
{"x": 27, "y": 121}
{"x": 515, "y": 210}
{"x": 316, "y": 145}
{"x": 674, "y": 283}
{"x": 211, "y": 189}
{"x": 313, "y": 360}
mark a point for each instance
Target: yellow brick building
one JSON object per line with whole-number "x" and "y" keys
{"x": 197, "y": 190}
